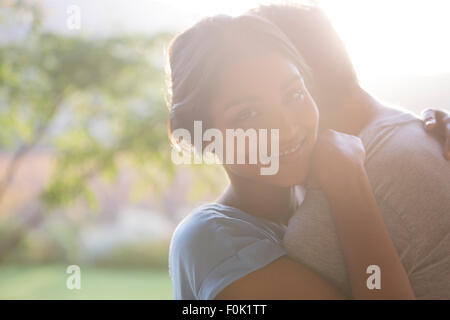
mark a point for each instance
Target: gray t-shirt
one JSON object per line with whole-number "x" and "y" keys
{"x": 411, "y": 182}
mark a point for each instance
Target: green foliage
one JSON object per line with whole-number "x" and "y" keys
{"x": 93, "y": 101}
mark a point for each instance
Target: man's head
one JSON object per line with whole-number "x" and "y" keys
{"x": 311, "y": 32}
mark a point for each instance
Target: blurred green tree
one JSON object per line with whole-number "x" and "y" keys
{"x": 90, "y": 99}
{"x": 93, "y": 101}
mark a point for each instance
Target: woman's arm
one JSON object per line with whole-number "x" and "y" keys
{"x": 338, "y": 164}
{"x": 365, "y": 240}
{"x": 282, "y": 279}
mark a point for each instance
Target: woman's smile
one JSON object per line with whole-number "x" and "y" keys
{"x": 293, "y": 150}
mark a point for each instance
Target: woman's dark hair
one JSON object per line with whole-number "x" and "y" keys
{"x": 199, "y": 54}
{"x": 311, "y": 32}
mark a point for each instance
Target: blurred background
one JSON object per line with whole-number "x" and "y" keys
{"x": 85, "y": 172}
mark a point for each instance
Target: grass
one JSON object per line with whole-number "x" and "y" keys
{"x": 49, "y": 282}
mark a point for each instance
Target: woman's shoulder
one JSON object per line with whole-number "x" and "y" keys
{"x": 200, "y": 241}
{"x": 229, "y": 220}
{"x": 216, "y": 224}
{"x": 206, "y": 223}
{"x": 200, "y": 222}
{"x": 216, "y": 244}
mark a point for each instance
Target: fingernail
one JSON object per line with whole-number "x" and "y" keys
{"x": 430, "y": 122}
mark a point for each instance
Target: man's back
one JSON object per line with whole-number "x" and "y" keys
{"x": 411, "y": 182}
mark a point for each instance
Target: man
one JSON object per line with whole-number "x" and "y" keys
{"x": 409, "y": 176}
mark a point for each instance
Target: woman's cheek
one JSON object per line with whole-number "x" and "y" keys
{"x": 312, "y": 116}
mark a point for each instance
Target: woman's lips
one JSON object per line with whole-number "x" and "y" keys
{"x": 293, "y": 151}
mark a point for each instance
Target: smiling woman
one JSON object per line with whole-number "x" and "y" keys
{"x": 233, "y": 89}
{"x": 244, "y": 73}
{"x": 85, "y": 159}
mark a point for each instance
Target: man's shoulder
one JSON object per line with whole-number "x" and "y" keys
{"x": 405, "y": 164}
{"x": 400, "y": 136}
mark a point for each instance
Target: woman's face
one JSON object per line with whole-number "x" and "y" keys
{"x": 267, "y": 91}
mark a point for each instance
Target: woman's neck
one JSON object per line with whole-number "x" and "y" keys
{"x": 259, "y": 199}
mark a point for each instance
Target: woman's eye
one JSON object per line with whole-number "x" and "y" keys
{"x": 298, "y": 95}
{"x": 246, "y": 114}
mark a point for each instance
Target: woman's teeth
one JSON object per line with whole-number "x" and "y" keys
{"x": 291, "y": 150}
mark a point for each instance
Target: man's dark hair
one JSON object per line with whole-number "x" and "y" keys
{"x": 311, "y": 32}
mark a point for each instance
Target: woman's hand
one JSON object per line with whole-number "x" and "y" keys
{"x": 438, "y": 122}
{"x": 338, "y": 165}
{"x": 336, "y": 156}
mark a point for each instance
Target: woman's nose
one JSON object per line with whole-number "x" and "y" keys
{"x": 286, "y": 123}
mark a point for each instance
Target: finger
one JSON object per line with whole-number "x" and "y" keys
{"x": 442, "y": 128}
{"x": 429, "y": 119}
{"x": 447, "y": 138}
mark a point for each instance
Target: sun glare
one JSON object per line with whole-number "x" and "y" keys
{"x": 394, "y": 36}
{"x": 382, "y": 36}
